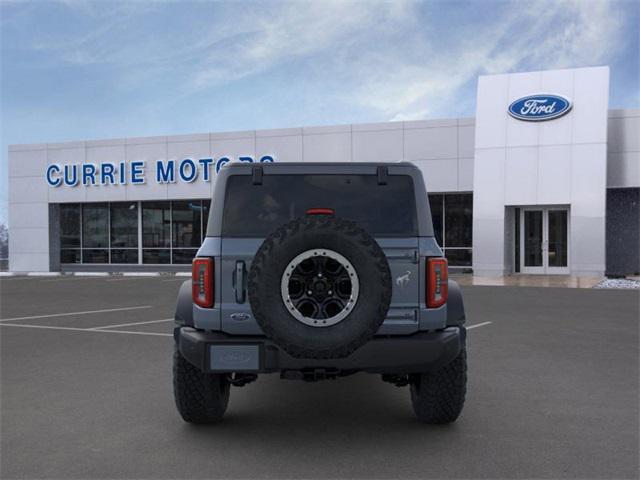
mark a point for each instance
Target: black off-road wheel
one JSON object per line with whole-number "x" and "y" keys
{"x": 320, "y": 287}
{"x": 200, "y": 397}
{"x": 438, "y": 397}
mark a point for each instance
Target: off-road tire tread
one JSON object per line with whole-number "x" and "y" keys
{"x": 438, "y": 397}
{"x": 338, "y": 225}
{"x": 200, "y": 397}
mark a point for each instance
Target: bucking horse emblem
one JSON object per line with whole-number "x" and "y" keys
{"x": 403, "y": 280}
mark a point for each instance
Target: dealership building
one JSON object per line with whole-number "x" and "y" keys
{"x": 545, "y": 179}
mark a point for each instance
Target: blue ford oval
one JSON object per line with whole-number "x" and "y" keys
{"x": 536, "y": 108}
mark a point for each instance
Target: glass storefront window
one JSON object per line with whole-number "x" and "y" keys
{"x": 94, "y": 233}
{"x": 183, "y": 255}
{"x": 127, "y": 255}
{"x": 452, "y": 216}
{"x": 436, "y": 206}
{"x": 90, "y": 255}
{"x": 68, "y": 255}
{"x": 95, "y": 225}
{"x": 156, "y": 255}
{"x": 124, "y": 225}
{"x": 187, "y": 223}
{"x": 173, "y": 231}
{"x": 69, "y": 226}
{"x": 458, "y": 214}
{"x": 156, "y": 224}
{"x": 206, "y": 204}
{"x": 458, "y": 257}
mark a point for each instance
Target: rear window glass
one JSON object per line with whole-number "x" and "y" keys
{"x": 257, "y": 210}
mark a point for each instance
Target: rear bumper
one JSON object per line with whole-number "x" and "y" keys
{"x": 420, "y": 352}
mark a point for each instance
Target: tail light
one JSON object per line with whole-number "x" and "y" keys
{"x": 202, "y": 282}
{"x": 437, "y": 282}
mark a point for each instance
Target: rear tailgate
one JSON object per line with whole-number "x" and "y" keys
{"x": 403, "y": 258}
{"x": 235, "y": 263}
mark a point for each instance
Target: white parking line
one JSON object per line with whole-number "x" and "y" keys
{"x": 49, "y": 327}
{"x": 478, "y": 325}
{"x": 74, "y": 313}
{"x": 130, "y": 332}
{"x": 69, "y": 278}
{"x": 132, "y": 324}
{"x": 22, "y": 278}
{"x": 125, "y": 279}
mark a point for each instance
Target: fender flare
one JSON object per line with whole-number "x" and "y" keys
{"x": 455, "y": 306}
{"x": 184, "y": 305}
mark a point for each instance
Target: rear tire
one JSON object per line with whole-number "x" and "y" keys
{"x": 200, "y": 397}
{"x": 438, "y": 397}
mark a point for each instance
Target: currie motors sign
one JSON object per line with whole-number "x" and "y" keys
{"x": 540, "y": 107}
{"x": 135, "y": 172}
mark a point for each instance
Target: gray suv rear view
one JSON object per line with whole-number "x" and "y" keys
{"x": 318, "y": 271}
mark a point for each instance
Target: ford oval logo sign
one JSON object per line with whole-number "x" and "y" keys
{"x": 536, "y": 108}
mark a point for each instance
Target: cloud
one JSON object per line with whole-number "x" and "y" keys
{"x": 294, "y": 31}
{"x": 393, "y": 58}
{"x": 526, "y": 36}
{"x": 216, "y": 44}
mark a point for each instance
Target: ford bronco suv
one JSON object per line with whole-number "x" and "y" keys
{"x": 317, "y": 271}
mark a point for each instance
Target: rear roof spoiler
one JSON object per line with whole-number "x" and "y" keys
{"x": 383, "y": 172}
{"x": 256, "y": 175}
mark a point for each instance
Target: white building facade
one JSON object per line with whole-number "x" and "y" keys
{"x": 545, "y": 179}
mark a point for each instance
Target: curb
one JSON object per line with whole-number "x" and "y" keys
{"x": 89, "y": 274}
{"x": 95, "y": 274}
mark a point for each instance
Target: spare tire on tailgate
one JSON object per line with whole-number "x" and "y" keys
{"x": 320, "y": 287}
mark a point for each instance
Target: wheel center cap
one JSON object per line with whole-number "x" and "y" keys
{"x": 320, "y": 287}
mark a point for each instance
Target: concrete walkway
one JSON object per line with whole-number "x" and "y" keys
{"x": 522, "y": 280}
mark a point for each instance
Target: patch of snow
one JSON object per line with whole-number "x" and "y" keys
{"x": 625, "y": 283}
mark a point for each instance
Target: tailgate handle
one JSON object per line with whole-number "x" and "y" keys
{"x": 413, "y": 256}
{"x": 239, "y": 281}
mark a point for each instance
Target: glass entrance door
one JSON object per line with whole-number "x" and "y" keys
{"x": 544, "y": 240}
{"x": 557, "y": 241}
{"x": 533, "y": 241}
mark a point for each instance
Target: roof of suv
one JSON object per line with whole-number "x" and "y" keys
{"x": 278, "y": 165}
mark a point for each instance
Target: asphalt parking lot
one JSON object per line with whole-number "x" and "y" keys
{"x": 86, "y": 393}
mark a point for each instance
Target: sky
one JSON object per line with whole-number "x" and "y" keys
{"x": 75, "y": 70}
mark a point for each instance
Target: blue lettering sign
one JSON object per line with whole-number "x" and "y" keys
{"x": 188, "y": 174}
{"x": 222, "y": 161}
{"x": 121, "y": 173}
{"x": 71, "y": 175}
{"x": 137, "y": 172}
{"x": 51, "y": 180}
{"x": 122, "y": 170}
{"x": 88, "y": 174}
{"x": 206, "y": 168}
{"x": 166, "y": 174}
{"x": 106, "y": 173}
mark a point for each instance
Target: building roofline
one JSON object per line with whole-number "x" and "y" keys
{"x": 304, "y": 131}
